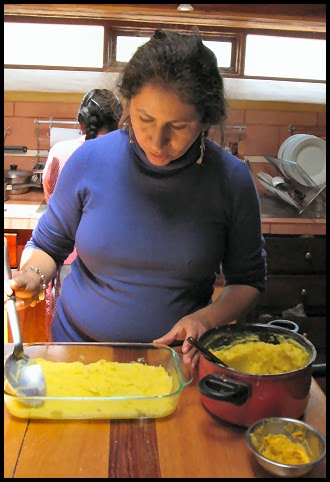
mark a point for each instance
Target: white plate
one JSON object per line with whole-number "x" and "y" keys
{"x": 310, "y": 155}
{"x": 280, "y": 154}
{"x": 295, "y": 140}
{"x": 285, "y": 143}
{"x": 291, "y": 171}
{"x": 282, "y": 149}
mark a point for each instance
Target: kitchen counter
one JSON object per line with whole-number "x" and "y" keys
{"x": 189, "y": 443}
{"x": 23, "y": 212}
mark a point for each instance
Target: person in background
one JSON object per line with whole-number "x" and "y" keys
{"x": 153, "y": 208}
{"x": 99, "y": 113}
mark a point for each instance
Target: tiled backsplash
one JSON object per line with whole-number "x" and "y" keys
{"x": 265, "y": 128}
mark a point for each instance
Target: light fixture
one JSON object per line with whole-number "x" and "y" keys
{"x": 185, "y": 7}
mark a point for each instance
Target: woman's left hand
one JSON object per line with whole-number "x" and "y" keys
{"x": 190, "y": 325}
{"x": 232, "y": 303}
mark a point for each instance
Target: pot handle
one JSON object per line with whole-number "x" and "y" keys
{"x": 288, "y": 324}
{"x": 11, "y": 187}
{"x": 224, "y": 389}
{"x": 319, "y": 370}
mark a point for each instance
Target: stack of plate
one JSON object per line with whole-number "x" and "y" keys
{"x": 303, "y": 154}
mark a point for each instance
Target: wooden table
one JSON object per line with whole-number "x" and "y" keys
{"x": 189, "y": 443}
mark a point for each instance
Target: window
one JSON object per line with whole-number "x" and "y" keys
{"x": 222, "y": 51}
{"x": 285, "y": 57}
{"x": 53, "y": 45}
{"x": 125, "y": 44}
{"x": 242, "y": 53}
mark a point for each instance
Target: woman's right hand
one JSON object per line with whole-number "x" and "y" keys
{"x": 25, "y": 286}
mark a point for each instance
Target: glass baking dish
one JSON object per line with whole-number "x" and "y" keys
{"x": 102, "y": 407}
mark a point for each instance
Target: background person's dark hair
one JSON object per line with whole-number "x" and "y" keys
{"x": 181, "y": 62}
{"x": 99, "y": 109}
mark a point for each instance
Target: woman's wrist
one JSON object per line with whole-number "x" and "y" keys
{"x": 43, "y": 285}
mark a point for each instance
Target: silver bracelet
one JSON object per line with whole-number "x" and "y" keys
{"x": 42, "y": 294}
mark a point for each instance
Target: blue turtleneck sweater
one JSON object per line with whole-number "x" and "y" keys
{"x": 149, "y": 239}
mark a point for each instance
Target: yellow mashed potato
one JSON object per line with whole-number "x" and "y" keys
{"x": 97, "y": 380}
{"x": 104, "y": 379}
{"x": 260, "y": 358}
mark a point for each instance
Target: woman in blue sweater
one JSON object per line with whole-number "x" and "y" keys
{"x": 154, "y": 209}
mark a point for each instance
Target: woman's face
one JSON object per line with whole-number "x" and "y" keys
{"x": 164, "y": 126}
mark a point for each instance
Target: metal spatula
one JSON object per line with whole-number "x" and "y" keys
{"x": 23, "y": 374}
{"x": 207, "y": 353}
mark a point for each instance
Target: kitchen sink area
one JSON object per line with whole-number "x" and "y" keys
{"x": 273, "y": 207}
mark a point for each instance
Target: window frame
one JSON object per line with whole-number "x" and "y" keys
{"x": 237, "y": 36}
{"x": 234, "y": 38}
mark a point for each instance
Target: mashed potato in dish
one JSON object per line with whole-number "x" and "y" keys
{"x": 261, "y": 358}
{"x": 104, "y": 379}
{"x": 100, "y": 390}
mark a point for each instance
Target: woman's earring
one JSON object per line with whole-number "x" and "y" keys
{"x": 130, "y": 133}
{"x": 200, "y": 160}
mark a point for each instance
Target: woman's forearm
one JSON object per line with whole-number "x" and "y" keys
{"x": 233, "y": 302}
{"x": 38, "y": 259}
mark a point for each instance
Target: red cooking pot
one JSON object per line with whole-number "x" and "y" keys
{"x": 242, "y": 398}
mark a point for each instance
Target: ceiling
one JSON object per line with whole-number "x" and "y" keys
{"x": 293, "y": 17}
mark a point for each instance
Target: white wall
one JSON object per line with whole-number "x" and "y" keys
{"x": 237, "y": 89}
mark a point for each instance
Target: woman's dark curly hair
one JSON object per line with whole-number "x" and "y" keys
{"x": 181, "y": 62}
{"x": 99, "y": 109}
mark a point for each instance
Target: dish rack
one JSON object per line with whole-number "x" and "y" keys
{"x": 299, "y": 195}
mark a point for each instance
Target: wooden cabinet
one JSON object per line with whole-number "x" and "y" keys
{"x": 296, "y": 273}
{"x": 32, "y": 320}
{"x": 17, "y": 240}
{"x": 12, "y": 248}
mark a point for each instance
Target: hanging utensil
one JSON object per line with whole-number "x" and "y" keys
{"x": 23, "y": 374}
{"x": 207, "y": 354}
{"x": 15, "y": 148}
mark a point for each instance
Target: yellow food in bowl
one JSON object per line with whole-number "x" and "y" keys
{"x": 100, "y": 390}
{"x": 279, "y": 447}
{"x": 261, "y": 358}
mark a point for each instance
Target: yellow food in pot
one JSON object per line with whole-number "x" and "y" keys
{"x": 100, "y": 390}
{"x": 261, "y": 358}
